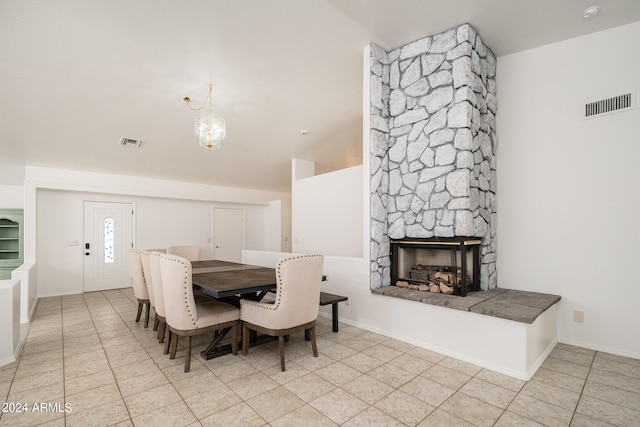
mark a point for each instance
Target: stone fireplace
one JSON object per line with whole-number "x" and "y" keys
{"x": 433, "y": 142}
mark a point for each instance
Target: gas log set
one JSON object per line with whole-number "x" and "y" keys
{"x": 432, "y": 278}
{"x": 450, "y": 266}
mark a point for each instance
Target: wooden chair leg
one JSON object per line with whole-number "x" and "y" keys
{"x": 166, "y": 347}
{"x": 140, "y": 305}
{"x": 161, "y": 327}
{"x": 314, "y": 347}
{"x": 156, "y": 323}
{"x": 281, "y": 347}
{"x": 174, "y": 347}
{"x": 146, "y": 316}
{"x": 245, "y": 340}
{"x": 234, "y": 340}
{"x": 187, "y": 357}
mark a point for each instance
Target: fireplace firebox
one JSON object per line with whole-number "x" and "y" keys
{"x": 451, "y": 263}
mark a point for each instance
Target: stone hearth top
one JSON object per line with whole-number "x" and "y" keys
{"x": 510, "y": 304}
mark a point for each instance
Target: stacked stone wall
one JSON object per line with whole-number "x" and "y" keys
{"x": 433, "y": 143}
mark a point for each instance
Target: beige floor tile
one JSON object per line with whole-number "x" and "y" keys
{"x": 511, "y": 383}
{"x": 252, "y": 385}
{"x": 240, "y": 414}
{"x": 140, "y": 383}
{"x": 559, "y": 365}
{"x": 47, "y": 393}
{"x": 36, "y": 381}
{"x": 392, "y": 375}
{"x": 411, "y": 363}
{"x": 39, "y": 368}
{"x": 359, "y": 343}
{"x": 87, "y": 382}
{"x": 382, "y": 352}
{"x": 72, "y": 371}
{"x": 372, "y": 417}
{"x": 427, "y": 391}
{"x": 615, "y": 379}
{"x": 293, "y": 372}
{"x": 572, "y": 356}
{"x": 338, "y": 405}
{"x": 615, "y": 358}
{"x": 338, "y": 351}
{"x": 489, "y": 393}
{"x": 362, "y": 362}
{"x": 445, "y": 376}
{"x": 472, "y": 410}
{"x": 611, "y": 394}
{"x": 580, "y": 420}
{"x": 404, "y": 407}
{"x": 558, "y": 379}
{"x": 551, "y": 394}
{"x": 151, "y": 399}
{"x": 98, "y": 396}
{"x": 509, "y": 419}
{"x": 28, "y": 417}
{"x": 104, "y": 415}
{"x": 543, "y": 412}
{"x": 367, "y": 388}
{"x": 233, "y": 371}
{"x": 440, "y": 418}
{"x": 613, "y": 365}
{"x": 219, "y": 399}
{"x": 275, "y": 403}
{"x": 176, "y": 414}
{"x": 309, "y": 387}
{"x": 460, "y": 366}
{"x": 338, "y": 373}
{"x": 608, "y": 412}
{"x": 311, "y": 363}
{"x": 360, "y": 378}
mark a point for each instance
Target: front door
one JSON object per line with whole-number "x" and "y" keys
{"x": 108, "y": 235}
{"x": 228, "y": 229}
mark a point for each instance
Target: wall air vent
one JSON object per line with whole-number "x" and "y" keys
{"x": 609, "y": 105}
{"x": 131, "y": 141}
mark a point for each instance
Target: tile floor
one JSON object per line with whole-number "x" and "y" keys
{"x": 86, "y": 352}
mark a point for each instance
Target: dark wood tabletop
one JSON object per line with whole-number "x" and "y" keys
{"x": 221, "y": 279}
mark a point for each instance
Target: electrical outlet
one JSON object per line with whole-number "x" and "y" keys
{"x": 578, "y": 316}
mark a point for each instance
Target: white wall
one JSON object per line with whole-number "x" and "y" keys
{"x": 11, "y": 197}
{"x": 569, "y": 189}
{"x": 327, "y": 213}
{"x": 180, "y": 213}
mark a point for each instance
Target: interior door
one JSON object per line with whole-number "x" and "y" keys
{"x": 108, "y": 235}
{"x": 229, "y": 235}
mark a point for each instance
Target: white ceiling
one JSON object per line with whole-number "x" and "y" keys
{"x": 77, "y": 75}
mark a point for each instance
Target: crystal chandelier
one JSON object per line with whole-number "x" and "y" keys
{"x": 209, "y": 128}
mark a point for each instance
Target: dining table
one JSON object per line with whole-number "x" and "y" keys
{"x": 230, "y": 281}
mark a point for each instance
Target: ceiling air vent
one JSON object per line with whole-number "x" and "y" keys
{"x": 609, "y": 105}
{"x": 131, "y": 141}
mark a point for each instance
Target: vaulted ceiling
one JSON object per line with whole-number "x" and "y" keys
{"x": 78, "y": 75}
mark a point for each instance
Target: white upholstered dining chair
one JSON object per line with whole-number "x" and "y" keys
{"x": 139, "y": 286}
{"x": 187, "y": 318}
{"x": 295, "y": 307}
{"x": 192, "y": 253}
{"x": 146, "y": 270}
{"x": 156, "y": 282}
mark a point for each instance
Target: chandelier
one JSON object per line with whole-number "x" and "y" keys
{"x": 209, "y": 128}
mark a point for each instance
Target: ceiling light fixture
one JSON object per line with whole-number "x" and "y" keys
{"x": 591, "y": 11}
{"x": 209, "y": 128}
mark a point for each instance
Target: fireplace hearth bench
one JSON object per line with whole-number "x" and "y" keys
{"x": 510, "y": 304}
